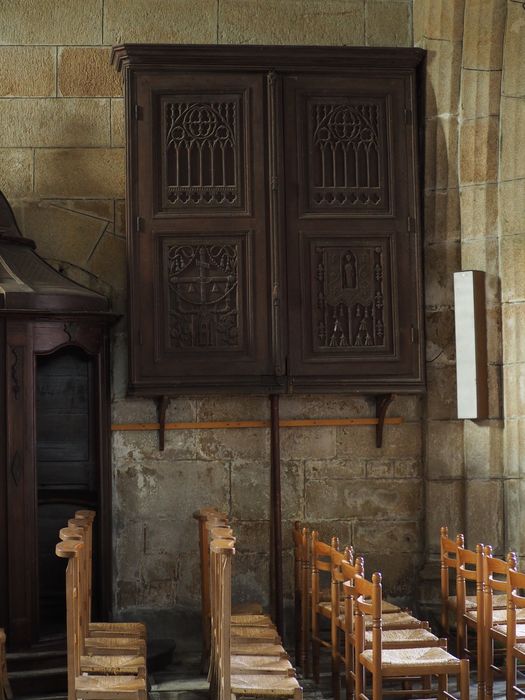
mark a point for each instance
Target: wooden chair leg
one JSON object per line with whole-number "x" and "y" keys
{"x": 464, "y": 680}
{"x": 510, "y": 674}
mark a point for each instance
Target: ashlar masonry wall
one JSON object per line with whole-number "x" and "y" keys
{"x": 62, "y": 167}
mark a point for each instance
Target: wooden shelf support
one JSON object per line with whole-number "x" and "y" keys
{"x": 162, "y": 407}
{"x": 382, "y": 404}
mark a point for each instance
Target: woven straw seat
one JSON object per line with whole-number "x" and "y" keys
{"x": 500, "y": 602}
{"x": 262, "y": 685}
{"x": 424, "y": 656}
{"x": 260, "y": 664}
{"x": 502, "y": 629}
{"x": 247, "y": 609}
{"x": 98, "y": 686}
{"x": 255, "y": 633}
{"x": 115, "y": 645}
{"x": 392, "y": 637}
{"x": 263, "y": 649}
{"x": 520, "y": 648}
{"x": 112, "y": 665}
{"x": 251, "y": 620}
{"x": 498, "y": 616}
{"x": 116, "y": 629}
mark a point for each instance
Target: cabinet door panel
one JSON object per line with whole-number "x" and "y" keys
{"x": 352, "y": 250}
{"x": 203, "y": 315}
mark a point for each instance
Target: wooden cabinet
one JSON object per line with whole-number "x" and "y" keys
{"x": 273, "y": 219}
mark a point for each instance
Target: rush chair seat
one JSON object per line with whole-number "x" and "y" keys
{"x": 5, "y": 687}
{"x": 389, "y": 664}
{"x": 225, "y": 683}
{"x": 90, "y": 687}
{"x": 105, "y": 655}
{"x": 470, "y": 569}
{"x": 515, "y": 647}
{"x": 496, "y": 579}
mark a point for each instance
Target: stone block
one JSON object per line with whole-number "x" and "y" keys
{"x": 406, "y": 406}
{"x": 479, "y": 211}
{"x": 483, "y": 254}
{"x": 440, "y": 336}
{"x": 441, "y": 153}
{"x": 514, "y": 447}
{"x": 442, "y": 216}
{"x": 129, "y": 548}
{"x": 108, "y": 261}
{"x": 441, "y": 392}
{"x": 387, "y": 23}
{"x": 251, "y": 579}
{"x": 387, "y": 537}
{"x": 157, "y": 21}
{"x": 51, "y": 122}
{"x": 514, "y": 390}
{"x": 441, "y": 261}
{"x": 60, "y": 232}
{"x": 153, "y": 490}
{"x": 87, "y": 72}
{"x": 80, "y": 172}
{"x": 485, "y": 524}
{"x": 478, "y": 158}
{"x": 304, "y": 443}
{"x": 328, "y": 22}
{"x": 387, "y": 499}
{"x": 447, "y": 499}
{"x": 298, "y": 406}
{"x": 27, "y": 71}
{"x": 234, "y": 443}
{"x": 133, "y": 410}
{"x": 292, "y": 480}
{"x": 512, "y": 207}
{"x": 444, "y": 449}
{"x": 483, "y": 449}
{"x": 495, "y": 384}
{"x": 480, "y": 93}
{"x": 494, "y": 335}
{"x": 357, "y": 442}
{"x": 513, "y": 325}
{"x": 16, "y": 172}
{"x": 127, "y": 594}
{"x": 130, "y": 446}
{"x": 250, "y": 490}
{"x": 512, "y": 266}
{"x": 400, "y": 573}
{"x": 118, "y": 127}
{"x": 380, "y": 469}
{"x": 443, "y": 77}
{"x": 120, "y": 217}
{"x": 53, "y": 22}
{"x": 407, "y": 469}
{"x": 513, "y": 52}
{"x": 441, "y": 19}
{"x": 119, "y": 365}
{"x": 514, "y": 540}
{"x": 334, "y": 469}
{"x": 252, "y": 536}
{"x": 342, "y": 529}
{"x": 483, "y": 34}
{"x": 512, "y": 142}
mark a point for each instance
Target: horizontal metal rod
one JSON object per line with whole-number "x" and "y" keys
{"x": 224, "y": 425}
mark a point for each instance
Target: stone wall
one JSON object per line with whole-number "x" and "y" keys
{"x": 62, "y": 167}
{"x": 475, "y": 213}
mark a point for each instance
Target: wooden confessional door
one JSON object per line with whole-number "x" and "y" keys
{"x": 354, "y": 291}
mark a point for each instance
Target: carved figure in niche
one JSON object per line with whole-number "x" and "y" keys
{"x": 349, "y": 271}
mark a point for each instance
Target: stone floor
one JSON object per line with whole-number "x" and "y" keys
{"x": 182, "y": 680}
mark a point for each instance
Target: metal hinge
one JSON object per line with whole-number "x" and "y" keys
{"x": 138, "y": 224}
{"x": 413, "y": 334}
{"x": 408, "y": 116}
{"x": 137, "y": 111}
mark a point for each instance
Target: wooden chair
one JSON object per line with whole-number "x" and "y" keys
{"x": 448, "y": 566}
{"x": 394, "y": 664}
{"x": 84, "y": 519}
{"x": 392, "y": 638}
{"x": 102, "y": 655}
{"x": 90, "y": 687}
{"x": 515, "y": 640}
{"x": 5, "y": 687}
{"x": 321, "y": 562}
{"x": 470, "y": 569}
{"x": 302, "y": 597}
{"x": 495, "y": 623}
{"x": 225, "y": 683}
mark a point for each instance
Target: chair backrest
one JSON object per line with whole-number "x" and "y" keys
{"x": 367, "y": 598}
{"x": 448, "y": 558}
{"x": 515, "y": 599}
{"x": 495, "y": 578}
{"x": 87, "y": 517}
{"x": 5, "y": 687}
{"x": 321, "y": 562}
{"x": 72, "y": 551}
{"x": 470, "y": 569}
{"x": 350, "y": 570}
{"x": 221, "y": 552}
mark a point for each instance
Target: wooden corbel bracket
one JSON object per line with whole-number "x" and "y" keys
{"x": 162, "y": 407}
{"x": 382, "y": 404}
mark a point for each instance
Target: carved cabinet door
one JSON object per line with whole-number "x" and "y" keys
{"x": 352, "y": 248}
{"x": 199, "y": 243}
